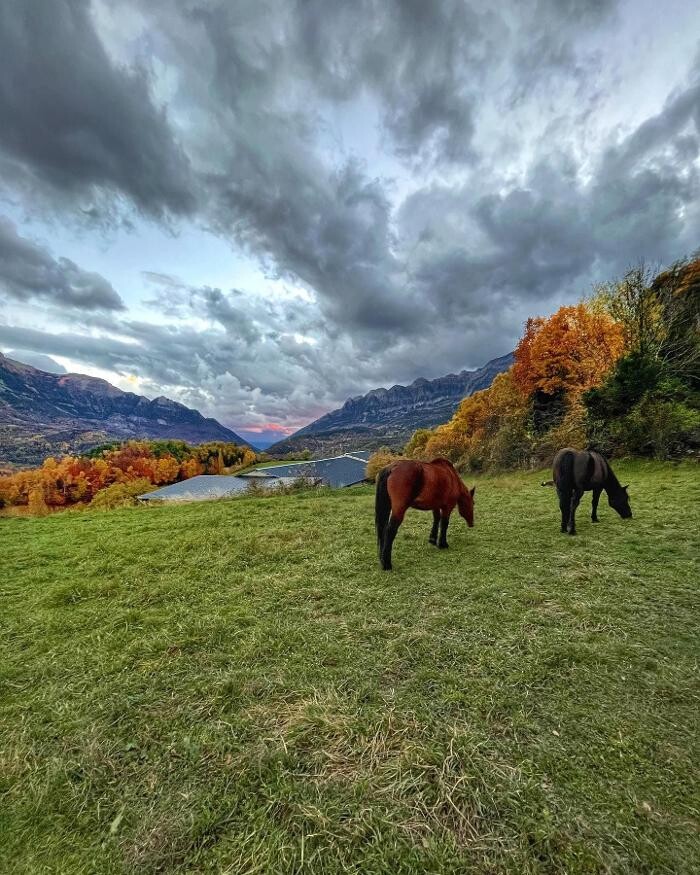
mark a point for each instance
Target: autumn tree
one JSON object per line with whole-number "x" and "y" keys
{"x": 678, "y": 293}
{"x": 190, "y": 468}
{"x": 632, "y": 303}
{"x": 37, "y": 502}
{"x": 648, "y": 403}
{"x": 569, "y": 352}
{"x": 75, "y": 480}
{"x": 415, "y": 448}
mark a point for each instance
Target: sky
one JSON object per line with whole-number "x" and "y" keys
{"x": 264, "y": 207}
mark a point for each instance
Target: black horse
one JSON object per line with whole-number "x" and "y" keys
{"x": 576, "y": 472}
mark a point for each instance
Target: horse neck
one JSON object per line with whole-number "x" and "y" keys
{"x": 612, "y": 484}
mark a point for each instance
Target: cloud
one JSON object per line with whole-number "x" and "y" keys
{"x": 478, "y": 248}
{"x": 36, "y": 360}
{"x": 431, "y": 174}
{"x": 74, "y": 123}
{"x": 413, "y": 56}
{"x": 29, "y": 271}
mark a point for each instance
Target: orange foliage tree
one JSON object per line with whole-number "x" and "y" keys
{"x": 569, "y": 352}
{"x": 77, "y": 480}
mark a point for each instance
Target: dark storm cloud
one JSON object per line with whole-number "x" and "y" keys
{"x": 332, "y": 227}
{"x": 555, "y": 234}
{"x": 29, "y": 271}
{"x": 552, "y": 38}
{"x": 331, "y": 231}
{"x": 412, "y": 54}
{"x": 494, "y": 229}
{"x": 75, "y": 121}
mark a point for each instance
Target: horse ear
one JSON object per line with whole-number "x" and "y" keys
{"x": 472, "y": 491}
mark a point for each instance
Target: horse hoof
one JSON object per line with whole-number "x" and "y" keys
{"x": 594, "y": 519}
{"x": 443, "y": 546}
{"x": 573, "y": 532}
{"x": 432, "y": 540}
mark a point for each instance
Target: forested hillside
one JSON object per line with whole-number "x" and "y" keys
{"x": 619, "y": 371}
{"x": 112, "y": 474}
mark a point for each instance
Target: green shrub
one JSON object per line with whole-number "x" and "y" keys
{"x": 121, "y": 494}
{"x": 657, "y": 427}
{"x": 631, "y": 379}
{"x": 378, "y": 460}
{"x": 415, "y": 448}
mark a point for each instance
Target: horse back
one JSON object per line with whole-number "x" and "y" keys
{"x": 405, "y": 481}
{"x": 424, "y": 485}
{"x": 447, "y": 474}
{"x": 600, "y": 468}
{"x": 582, "y": 469}
{"x": 570, "y": 468}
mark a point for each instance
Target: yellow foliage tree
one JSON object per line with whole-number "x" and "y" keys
{"x": 383, "y": 457}
{"x": 37, "y": 502}
{"x": 488, "y": 428}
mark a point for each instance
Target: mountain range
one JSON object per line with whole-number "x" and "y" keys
{"x": 389, "y": 416}
{"x": 43, "y": 414}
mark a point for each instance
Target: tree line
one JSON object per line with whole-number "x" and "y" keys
{"x": 112, "y": 474}
{"x": 619, "y": 371}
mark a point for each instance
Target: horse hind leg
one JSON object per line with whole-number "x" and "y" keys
{"x": 392, "y": 528}
{"x": 434, "y": 531}
{"x": 564, "y": 507}
{"x": 444, "y": 523}
{"x": 575, "y": 499}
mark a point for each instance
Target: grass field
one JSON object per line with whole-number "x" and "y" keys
{"x": 236, "y": 687}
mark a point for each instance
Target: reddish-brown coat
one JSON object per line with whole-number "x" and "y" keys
{"x": 432, "y": 486}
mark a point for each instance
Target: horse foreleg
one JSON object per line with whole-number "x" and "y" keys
{"x": 444, "y": 523}
{"x": 434, "y": 531}
{"x": 575, "y": 499}
{"x": 594, "y": 509}
{"x": 392, "y": 528}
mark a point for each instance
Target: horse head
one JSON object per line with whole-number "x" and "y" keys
{"x": 619, "y": 501}
{"x": 465, "y": 504}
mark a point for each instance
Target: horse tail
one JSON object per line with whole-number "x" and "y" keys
{"x": 382, "y": 504}
{"x": 564, "y": 476}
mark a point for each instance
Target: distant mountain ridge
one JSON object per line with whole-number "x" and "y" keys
{"x": 43, "y": 414}
{"x": 390, "y": 416}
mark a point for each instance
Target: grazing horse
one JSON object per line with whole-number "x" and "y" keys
{"x": 432, "y": 486}
{"x": 576, "y": 472}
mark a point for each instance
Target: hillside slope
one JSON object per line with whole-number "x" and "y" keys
{"x": 42, "y": 413}
{"x": 390, "y": 416}
{"x": 236, "y": 687}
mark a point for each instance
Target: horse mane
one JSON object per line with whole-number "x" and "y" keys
{"x": 612, "y": 484}
{"x": 612, "y": 481}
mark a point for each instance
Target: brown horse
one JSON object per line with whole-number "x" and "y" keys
{"x": 432, "y": 486}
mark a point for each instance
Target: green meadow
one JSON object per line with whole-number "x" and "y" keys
{"x": 236, "y": 687}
